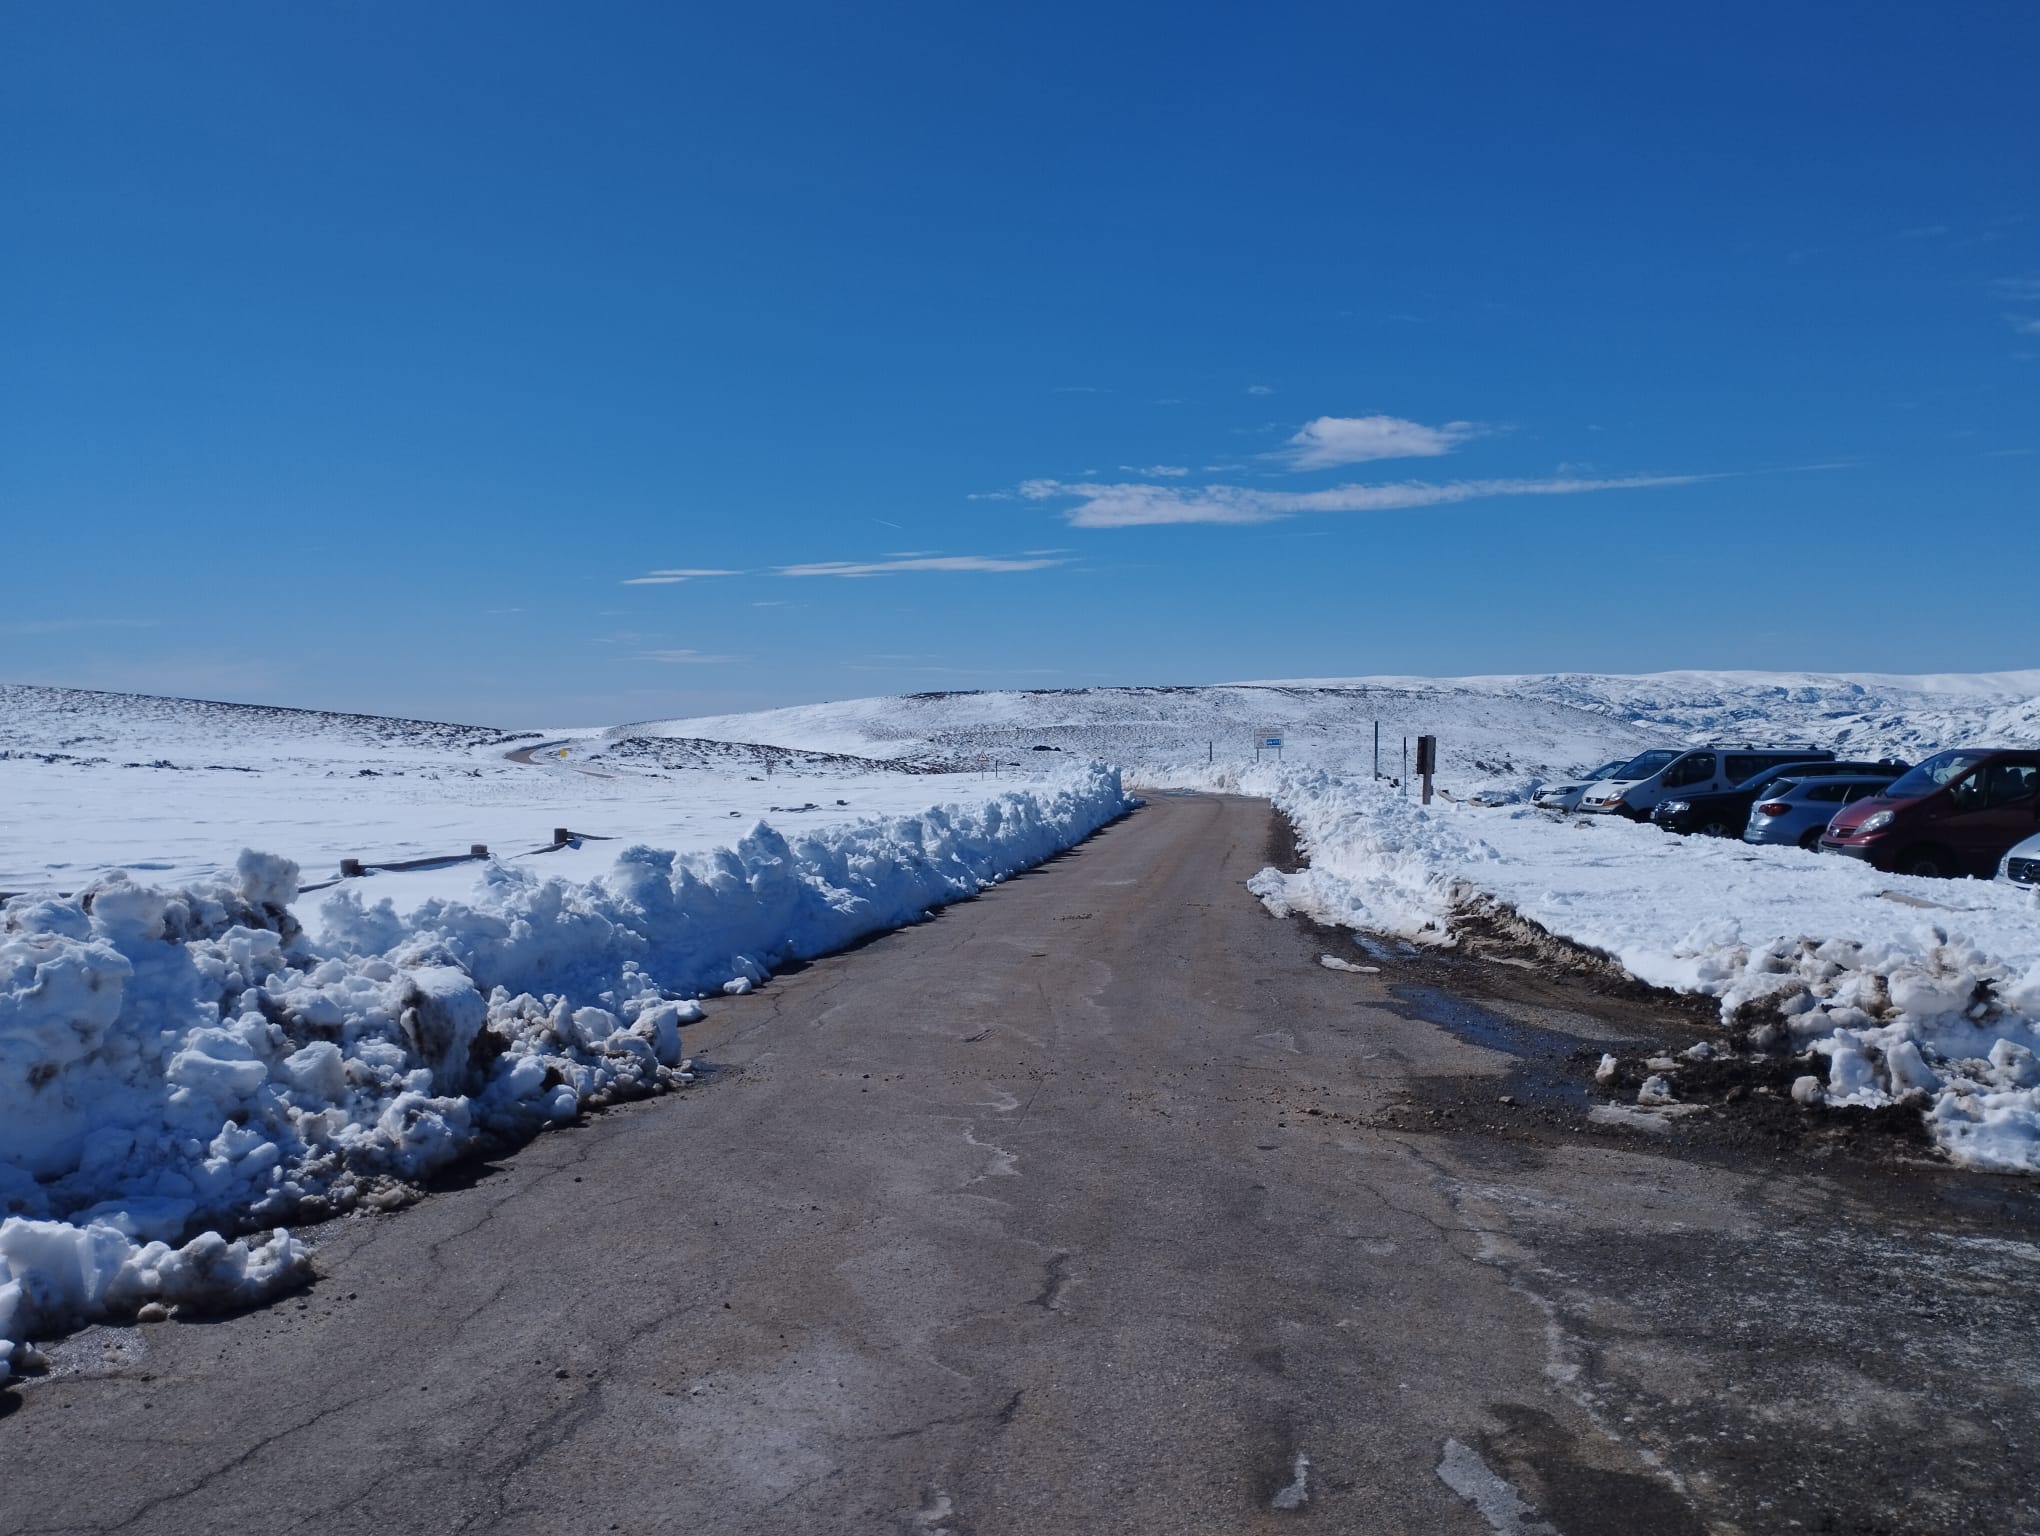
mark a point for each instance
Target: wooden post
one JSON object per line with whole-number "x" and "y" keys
{"x": 561, "y": 836}
{"x": 478, "y": 850}
{"x": 350, "y": 868}
{"x": 1427, "y": 762}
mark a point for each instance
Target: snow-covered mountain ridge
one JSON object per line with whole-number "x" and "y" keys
{"x": 1526, "y": 725}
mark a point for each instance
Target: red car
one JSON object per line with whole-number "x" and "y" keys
{"x": 1955, "y": 814}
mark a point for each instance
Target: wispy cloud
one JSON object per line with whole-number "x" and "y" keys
{"x": 918, "y": 563}
{"x": 1132, "y": 506}
{"x": 2024, "y": 325}
{"x": 1331, "y": 441}
{"x": 1259, "y": 389}
{"x": 681, "y": 658}
{"x": 666, "y": 578}
{"x": 1159, "y": 471}
{"x": 2018, "y": 290}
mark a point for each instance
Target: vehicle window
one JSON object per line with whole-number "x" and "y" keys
{"x": 1644, "y": 764}
{"x": 1698, "y": 768}
{"x": 1607, "y": 770}
{"x": 1858, "y": 791}
{"x": 1967, "y": 793}
{"x": 1742, "y": 767}
{"x": 2008, "y": 783}
{"x": 1937, "y": 770}
{"x": 1833, "y": 791}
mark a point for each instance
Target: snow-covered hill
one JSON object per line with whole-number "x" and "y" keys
{"x": 1865, "y": 713}
{"x": 1492, "y": 736}
{"x": 1488, "y": 727}
{"x": 82, "y": 724}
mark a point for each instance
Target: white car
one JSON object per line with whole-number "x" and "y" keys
{"x": 1566, "y": 796}
{"x": 2021, "y": 863}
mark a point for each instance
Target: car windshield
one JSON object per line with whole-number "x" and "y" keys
{"x": 1645, "y": 764}
{"x": 1607, "y": 770}
{"x": 1936, "y": 771}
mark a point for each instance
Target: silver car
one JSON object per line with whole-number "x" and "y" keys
{"x": 1798, "y": 810}
{"x": 1566, "y": 796}
{"x": 2021, "y": 864}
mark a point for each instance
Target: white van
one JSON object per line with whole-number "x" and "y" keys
{"x": 1665, "y": 771}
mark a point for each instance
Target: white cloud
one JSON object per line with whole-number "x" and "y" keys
{"x": 1334, "y": 440}
{"x": 1161, "y": 471}
{"x": 2024, "y": 325}
{"x": 666, "y": 578}
{"x": 681, "y": 658}
{"x": 1131, "y": 506}
{"x": 1259, "y": 389}
{"x": 918, "y": 563}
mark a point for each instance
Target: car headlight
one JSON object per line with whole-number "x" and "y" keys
{"x": 1876, "y": 822}
{"x": 1675, "y": 807}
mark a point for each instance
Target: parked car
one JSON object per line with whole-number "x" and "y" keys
{"x": 1797, "y": 810}
{"x": 2021, "y": 866}
{"x": 1958, "y": 813}
{"x": 1727, "y": 813}
{"x": 1566, "y": 796}
{"x": 1668, "y": 773}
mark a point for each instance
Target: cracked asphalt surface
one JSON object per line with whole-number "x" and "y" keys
{"x": 1096, "y": 1203}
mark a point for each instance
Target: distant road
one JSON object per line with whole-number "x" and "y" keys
{"x": 1095, "y": 1205}
{"x": 523, "y": 754}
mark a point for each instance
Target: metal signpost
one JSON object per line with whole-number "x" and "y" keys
{"x": 1268, "y": 744}
{"x": 1427, "y": 762}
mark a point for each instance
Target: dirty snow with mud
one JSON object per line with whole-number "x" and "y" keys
{"x": 1906, "y": 986}
{"x": 185, "y": 1061}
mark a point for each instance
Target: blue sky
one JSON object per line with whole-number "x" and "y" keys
{"x": 373, "y": 356}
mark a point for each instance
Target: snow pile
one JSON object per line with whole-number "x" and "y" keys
{"x": 178, "y": 1061}
{"x": 1906, "y": 986}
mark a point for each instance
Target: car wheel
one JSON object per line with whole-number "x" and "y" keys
{"x": 1930, "y": 863}
{"x": 1810, "y": 840}
{"x": 1715, "y": 828}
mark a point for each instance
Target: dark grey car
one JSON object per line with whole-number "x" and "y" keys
{"x": 1797, "y": 810}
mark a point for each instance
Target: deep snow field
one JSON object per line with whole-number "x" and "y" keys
{"x": 193, "y": 1048}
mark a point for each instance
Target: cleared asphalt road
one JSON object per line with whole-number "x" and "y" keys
{"x": 1096, "y": 1204}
